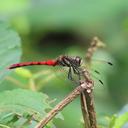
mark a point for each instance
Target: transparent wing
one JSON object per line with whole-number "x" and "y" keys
{"x": 53, "y": 76}
{"x": 37, "y": 80}
{"x": 98, "y": 70}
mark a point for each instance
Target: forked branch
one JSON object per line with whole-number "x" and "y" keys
{"x": 75, "y": 93}
{"x": 87, "y": 100}
{"x": 85, "y": 89}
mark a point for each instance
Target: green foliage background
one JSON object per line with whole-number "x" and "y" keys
{"x": 38, "y": 30}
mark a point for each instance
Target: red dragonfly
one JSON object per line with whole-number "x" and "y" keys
{"x": 72, "y": 63}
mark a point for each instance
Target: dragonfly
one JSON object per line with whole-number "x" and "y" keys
{"x": 72, "y": 63}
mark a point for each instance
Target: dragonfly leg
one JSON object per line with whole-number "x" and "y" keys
{"x": 77, "y": 72}
{"x": 70, "y": 74}
{"x": 71, "y": 78}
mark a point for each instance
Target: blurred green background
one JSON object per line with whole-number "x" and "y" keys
{"x": 51, "y": 28}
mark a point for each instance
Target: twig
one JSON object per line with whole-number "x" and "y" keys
{"x": 60, "y": 106}
{"x": 15, "y": 82}
{"x": 87, "y": 100}
{"x": 95, "y": 44}
{"x": 91, "y": 109}
{"x": 84, "y": 111}
{"x": 85, "y": 89}
{"x": 88, "y": 97}
{"x": 32, "y": 85}
{"x": 77, "y": 91}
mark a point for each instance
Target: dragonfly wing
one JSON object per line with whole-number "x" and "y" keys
{"x": 97, "y": 70}
{"x": 53, "y": 75}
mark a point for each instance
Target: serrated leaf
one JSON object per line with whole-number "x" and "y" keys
{"x": 10, "y": 49}
{"x": 22, "y": 104}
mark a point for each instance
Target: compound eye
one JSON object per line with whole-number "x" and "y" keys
{"x": 78, "y": 59}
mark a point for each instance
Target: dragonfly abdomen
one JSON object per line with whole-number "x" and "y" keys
{"x": 49, "y": 63}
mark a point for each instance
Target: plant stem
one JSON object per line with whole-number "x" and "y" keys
{"x": 75, "y": 93}
{"x": 84, "y": 111}
{"x": 87, "y": 100}
{"x": 86, "y": 91}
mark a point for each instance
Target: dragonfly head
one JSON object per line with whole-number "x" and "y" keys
{"x": 78, "y": 61}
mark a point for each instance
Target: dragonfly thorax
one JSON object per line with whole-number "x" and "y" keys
{"x": 69, "y": 61}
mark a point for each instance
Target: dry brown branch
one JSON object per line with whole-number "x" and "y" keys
{"x": 87, "y": 97}
{"x": 84, "y": 111}
{"x": 95, "y": 44}
{"x": 77, "y": 91}
{"x": 87, "y": 100}
{"x": 86, "y": 91}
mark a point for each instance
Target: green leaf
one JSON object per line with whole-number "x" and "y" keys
{"x": 23, "y": 72}
{"x": 3, "y": 126}
{"x": 112, "y": 122}
{"x": 118, "y": 122}
{"x": 10, "y": 49}
{"x": 12, "y": 6}
{"x": 21, "y": 106}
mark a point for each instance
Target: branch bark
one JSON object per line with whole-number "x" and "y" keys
{"x": 75, "y": 93}
{"x": 86, "y": 91}
{"x": 87, "y": 99}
